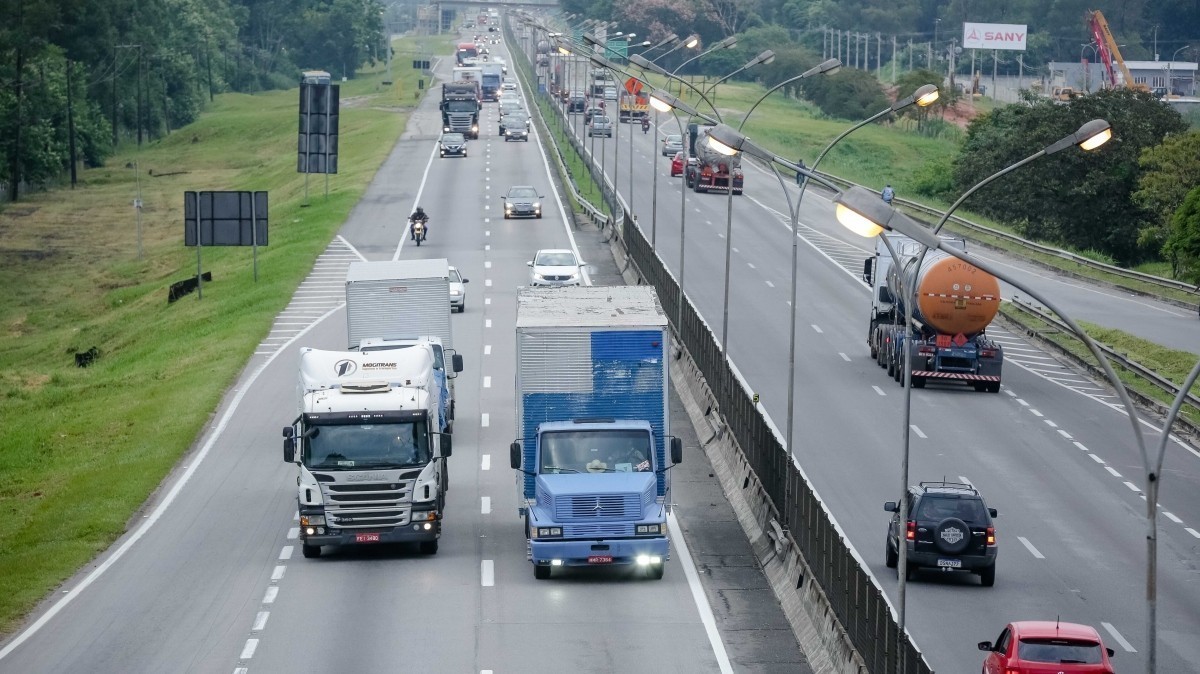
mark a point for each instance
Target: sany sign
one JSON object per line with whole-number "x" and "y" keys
{"x": 994, "y": 36}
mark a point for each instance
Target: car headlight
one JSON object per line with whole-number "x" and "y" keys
{"x": 455, "y": 293}
{"x": 508, "y": 207}
{"x": 537, "y": 205}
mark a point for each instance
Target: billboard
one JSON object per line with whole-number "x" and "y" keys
{"x": 994, "y": 36}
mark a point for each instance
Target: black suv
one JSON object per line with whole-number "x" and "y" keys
{"x": 949, "y": 528}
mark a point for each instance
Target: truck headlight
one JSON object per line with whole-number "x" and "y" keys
{"x": 445, "y": 128}
{"x": 312, "y": 520}
{"x": 650, "y": 529}
{"x": 424, "y": 516}
{"x": 549, "y": 532}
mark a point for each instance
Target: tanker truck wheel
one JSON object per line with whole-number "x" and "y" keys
{"x": 993, "y": 387}
{"x": 918, "y": 382}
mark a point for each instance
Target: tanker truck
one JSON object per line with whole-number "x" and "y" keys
{"x": 953, "y": 303}
{"x": 712, "y": 170}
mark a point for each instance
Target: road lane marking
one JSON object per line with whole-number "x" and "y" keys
{"x": 918, "y": 432}
{"x": 487, "y": 573}
{"x": 1029, "y": 546}
{"x": 487, "y": 349}
{"x": 487, "y": 264}
{"x": 751, "y": 265}
{"x": 770, "y": 285}
{"x": 1172, "y": 517}
{"x": 1011, "y": 393}
{"x": 1098, "y": 460}
{"x": 286, "y": 552}
{"x": 420, "y": 191}
{"x": 485, "y": 419}
{"x": 1192, "y": 531}
{"x": 485, "y": 505}
{"x": 270, "y": 594}
{"x": 1064, "y": 434}
{"x": 293, "y": 533}
{"x": 1113, "y": 471}
{"x": 1051, "y": 424}
{"x": 248, "y": 649}
{"x": 487, "y": 283}
{"x": 485, "y": 462}
{"x": 1035, "y": 412}
{"x": 487, "y": 323}
{"x": 487, "y": 382}
{"x": 844, "y": 357}
{"x": 260, "y": 621}
{"x": 277, "y": 574}
{"x": 1120, "y": 639}
{"x": 698, "y": 596}
{"x": 1081, "y": 446}
{"x": 879, "y": 390}
{"x": 1133, "y": 487}
{"x": 818, "y": 329}
{"x": 487, "y": 300}
{"x": 1023, "y": 403}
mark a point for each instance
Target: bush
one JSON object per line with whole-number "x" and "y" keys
{"x": 934, "y": 179}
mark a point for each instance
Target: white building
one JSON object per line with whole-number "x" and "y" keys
{"x": 1155, "y": 74}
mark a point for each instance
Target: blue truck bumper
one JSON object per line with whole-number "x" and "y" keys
{"x": 599, "y": 552}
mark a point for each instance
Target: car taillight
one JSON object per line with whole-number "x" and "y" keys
{"x": 926, "y": 350}
{"x": 987, "y": 353}
{"x": 911, "y": 532}
{"x": 1011, "y": 670}
{"x": 991, "y": 535}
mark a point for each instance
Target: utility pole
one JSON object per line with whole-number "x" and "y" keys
{"x": 139, "y": 95}
{"x": 208, "y": 64}
{"x": 71, "y": 127}
{"x": 878, "y": 53}
{"x": 910, "y": 53}
{"x": 893, "y": 59}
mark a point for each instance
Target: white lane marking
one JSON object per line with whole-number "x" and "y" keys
{"x": 296, "y": 516}
{"x": 487, "y": 300}
{"x": 1029, "y": 546}
{"x": 1023, "y": 402}
{"x": 1051, "y": 424}
{"x": 487, "y": 246}
{"x": 241, "y": 670}
{"x": 420, "y": 191}
{"x": 286, "y": 552}
{"x": 1097, "y": 459}
{"x": 1064, "y": 434}
{"x": 487, "y": 573}
{"x": 487, "y": 382}
{"x": 487, "y": 283}
{"x": 844, "y": 357}
{"x": 1035, "y": 412}
{"x": 1120, "y": 639}
{"x": 698, "y": 596}
{"x": 1192, "y": 531}
{"x": 1081, "y": 446}
{"x": 879, "y": 390}
{"x": 277, "y": 574}
{"x": 487, "y": 265}
{"x": 485, "y": 505}
{"x": 818, "y": 329}
{"x": 260, "y": 621}
{"x": 1133, "y": 487}
{"x": 270, "y": 594}
{"x": 1011, "y": 393}
{"x": 918, "y": 431}
{"x": 485, "y": 462}
{"x": 293, "y": 533}
{"x": 487, "y": 323}
{"x": 735, "y": 249}
{"x": 485, "y": 419}
{"x": 770, "y": 285}
{"x": 751, "y": 265}
{"x": 487, "y": 232}
{"x": 1172, "y": 517}
{"x": 248, "y": 649}
{"x": 487, "y": 349}
{"x": 1112, "y": 471}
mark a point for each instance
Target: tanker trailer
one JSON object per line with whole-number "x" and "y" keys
{"x": 952, "y": 305}
{"x": 712, "y": 170}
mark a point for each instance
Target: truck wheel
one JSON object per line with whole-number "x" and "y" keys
{"x": 918, "y": 382}
{"x": 428, "y": 547}
{"x": 310, "y": 551}
{"x": 993, "y": 387}
{"x": 655, "y": 572}
{"x": 979, "y": 386}
{"x": 541, "y": 572}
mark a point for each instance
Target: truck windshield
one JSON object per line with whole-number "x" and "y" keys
{"x": 463, "y": 106}
{"x": 359, "y": 446}
{"x": 595, "y": 451}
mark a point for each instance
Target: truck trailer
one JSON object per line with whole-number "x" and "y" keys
{"x": 371, "y": 461}
{"x": 712, "y": 171}
{"x": 591, "y": 454}
{"x": 952, "y": 305}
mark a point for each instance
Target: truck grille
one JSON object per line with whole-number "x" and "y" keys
{"x": 359, "y": 505}
{"x": 599, "y": 530}
{"x": 598, "y": 507}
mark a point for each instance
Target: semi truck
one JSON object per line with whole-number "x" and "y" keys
{"x": 593, "y": 429}
{"x": 394, "y": 305}
{"x": 712, "y": 171}
{"x": 491, "y": 74}
{"x": 465, "y": 50}
{"x": 633, "y": 106}
{"x": 460, "y": 108}
{"x": 370, "y": 459}
{"x": 952, "y": 305}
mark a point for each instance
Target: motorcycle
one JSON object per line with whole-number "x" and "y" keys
{"x": 418, "y": 230}
{"x": 645, "y": 126}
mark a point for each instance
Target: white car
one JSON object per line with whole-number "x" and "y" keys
{"x": 555, "y": 267}
{"x": 458, "y": 291}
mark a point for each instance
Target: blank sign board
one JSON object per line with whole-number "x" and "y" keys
{"x": 225, "y": 218}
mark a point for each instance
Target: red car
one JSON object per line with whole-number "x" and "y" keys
{"x": 678, "y": 162}
{"x": 1047, "y": 647}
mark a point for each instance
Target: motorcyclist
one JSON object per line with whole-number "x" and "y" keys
{"x": 419, "y": 215}
{"x": 645, "y": 125}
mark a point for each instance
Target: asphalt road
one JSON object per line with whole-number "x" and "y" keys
{"x": 1051, "y": 451}
{"x": 212, "y": 580}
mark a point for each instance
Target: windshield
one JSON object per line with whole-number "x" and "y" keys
{"x": 455, "y": 277}
{"x": 522, "y": 193}
{"x": 514, "y": 118}
{"x": 600, "y": 120}
{"x": 462, "y": 106}
{"x": 358, "y": 446}
{"x": 555, "y": 260}
{"x": 940, "y": 507}
{"x": 1059, "y": 651}
{"x": 674, "y": 140}
{"x": 595, "y": 452}
{"x": 452, "y": 138}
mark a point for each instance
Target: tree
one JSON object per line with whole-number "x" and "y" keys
{"x": 1169, "y": 170}
{"x": 847, "y": 94}
{"x": 1080, "y": 199}
{"x": 1183, "y": 243}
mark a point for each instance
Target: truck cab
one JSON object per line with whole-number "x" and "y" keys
{"x": 444, "y": 376}
{"x": 599, "y": 496}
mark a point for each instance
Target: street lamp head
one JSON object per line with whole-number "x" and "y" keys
{"x": 691, "y": 41}
{"x": 665, "y": 102}
{"x": 825, "y": 68}
{"x": 720, "y": 147}
{"x": 1090, "y": 136}
{"x": 658, "y": 103}
{"x": 926, "y": 96}
{"x": 728, "y": 43}
{"x": 764, "y": 58}
{"x": 646, "y": 64}
{"x": 862, "y": 211}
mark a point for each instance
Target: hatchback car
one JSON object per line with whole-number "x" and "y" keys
{"x": 508, "y": 84}
{"x": 452, "y": 145}
{"x": 601, "y": 126}
{"x": 458, "y": 291}
{"x": 949, "y": 528}
{"x": 522, "y": 201}
{"x": 610, "y": 93}
{"x": 679, "y": 161}
{"x": 1037, "y": 646}
{"x": 672, "y": 144}
{"x": 515, "y": 126}
{"x": 576, "y": 102}
{"x": 555, "y": 267}
{"x": 591, "y": 112}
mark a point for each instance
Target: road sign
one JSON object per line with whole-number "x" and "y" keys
{"x": 633, "y": 85}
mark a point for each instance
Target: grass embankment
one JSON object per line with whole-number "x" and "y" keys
{"x": 82, "y": 449}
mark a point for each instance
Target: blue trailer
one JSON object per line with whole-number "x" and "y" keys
{"x": 591, "y": 458}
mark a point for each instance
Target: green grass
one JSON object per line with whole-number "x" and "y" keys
{"x": 82, "y": 449}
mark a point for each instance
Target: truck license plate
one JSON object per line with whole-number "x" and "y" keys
{"x": 950, "y": 563}
{"x": 366, "y": 538}
{"x": 600, "y": 559}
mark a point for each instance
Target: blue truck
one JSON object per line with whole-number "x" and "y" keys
{"x": 591, "y": 458}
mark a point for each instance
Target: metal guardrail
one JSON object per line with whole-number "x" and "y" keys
{"x": 860, "y": 605}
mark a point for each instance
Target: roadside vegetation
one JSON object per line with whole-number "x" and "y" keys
{"x": 83, "y": 448}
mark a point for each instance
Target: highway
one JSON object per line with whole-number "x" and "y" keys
{"x": 1050, "y": 452}
{"x": 212, "y": 579}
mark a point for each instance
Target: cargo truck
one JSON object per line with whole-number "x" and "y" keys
{"x": 952, "y": 305}
{"x": 712, "y": 170}
{"x": 460, "y": 108}
{"x": 398, "y": 304}
{"x": 491, "y": 73}
{"x": 371, "y": 460}
{"x": 591, "y": 456}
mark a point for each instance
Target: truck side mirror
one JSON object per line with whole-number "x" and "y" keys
{"x": 676, "y": 450}
{"x": 868, "y": 268}
{"x": 885, "y": 295}
{"x": 514, "y": 455}
{"x": 289, "y": 444}
{"x": 456, "y": 362}
{"x": 445, "y": 446}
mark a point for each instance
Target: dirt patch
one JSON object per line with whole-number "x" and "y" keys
{"x": 961, "y": 113}
{"x": 356, "y": 101}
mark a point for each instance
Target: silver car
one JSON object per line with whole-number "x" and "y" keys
{"x": 458, "y": 291}
{"x": 555, "y": 267}
{"x": 600, "y": 126}
{"x": 672, "y": 144}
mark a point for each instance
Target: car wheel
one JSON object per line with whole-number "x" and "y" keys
{"x": 655, "y": 572}
{"x": 890, "y": 557}
{"x": 910, "y": 572}
{"x": 987, "y": 577}
{"x": 428, "y": 547}
{"x": 310, "y": 551}
{"x": 506, "y": 216}
{"x": 541, "y": 572}
{"x": 538, "y": 216}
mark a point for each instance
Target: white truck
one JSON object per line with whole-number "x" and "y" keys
{"x": 372, "y": 464}
{"x": 397, "y": 304}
